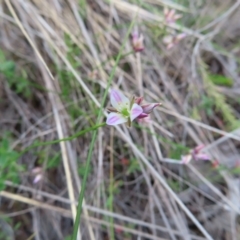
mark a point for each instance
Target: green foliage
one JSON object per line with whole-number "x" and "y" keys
{"x": 54, "y": 161}
{"x": 17, "y": 80}
{"x": 68, "y": 237}
{"x": 73, "y": 52}
{"x": 220, "y": 103}
{"x": 5, "y": 227}
{"x": 195, "y": 114}
{"x": 115, "y": 190}
{"x": 207, "y": 104}
{"x": 235, "y": 170}
{"x": 6, "y": 66}
{"x": 4, "y": 235}
{"x": 133, "y": 166}
{"x": 174, "y": 184}
{"x": 220, "y": 80}
{"x": 9, "y": 168}
{"x": 17, "y": 226}
{"x": 46, "y": 159}
{"x": 82, "y": 169}
{"x": 74, "y": 111}
{"x": 66, "y": 77}
{"x": 178, "y": 150}
{"x": 82, "y": 8}
{"x": 51, "y": 160}
{"x": 128, "y": 235}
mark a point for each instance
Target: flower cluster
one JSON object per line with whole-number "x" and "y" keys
{"x": 171, "y": 16}
{"x": 172, "y": 40}
{"x": 195, "y": 154}
{"x": 137, "y": 41}
{"x": 124, "y": 110}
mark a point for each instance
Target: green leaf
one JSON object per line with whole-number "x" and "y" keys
{"x": 83, "y": 168}
{"x": 134, "y": 166}
{"x": 109, "y": 201}
{"x": 221, "y": 80}
{"x": 69, "y": 237}
{"x": 54, "y": 161}
{"x": 177, "y": 151}
{"x": 9, "y": 168}
{"x": 7, "y": 66}
{"x": 2, "y": 185}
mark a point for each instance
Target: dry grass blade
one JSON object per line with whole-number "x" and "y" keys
{"x": 55, "y": 106}
{"x": 67, "y": 213}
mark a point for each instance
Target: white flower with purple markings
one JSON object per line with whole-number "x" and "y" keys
{"x": 125, "y": 111}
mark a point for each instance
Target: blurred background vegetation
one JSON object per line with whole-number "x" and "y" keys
{"x": 56, "y": 59}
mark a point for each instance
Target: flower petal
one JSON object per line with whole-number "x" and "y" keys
{"x": 186, "y": 159}
{"x": 135, "y": 34}
{"x": 138, "y": 43}
{"x": 179, "y": 37}
{"x": 115, "y": 119}
{"x": 145, "y": 120}
{"x": 198, "y": 148}
{"x": 135, "y": 111}
{"x": 37, "y": 178}
{"x": 177, "y": 16}
{"x": 168, "y": 39}
{"x": 202, "y": 156}
{"x": 171, "y": 13}
{"x": 165, "y": 11}
{"x": 138, "y": 100}
{"x": 118, "y": 100}
{"x": 142, "y": 115}
{"x": 170, "y": 45}
{"x": 147, "y": 108}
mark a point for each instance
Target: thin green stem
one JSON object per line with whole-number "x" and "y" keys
{"x": 111, "y": 188}
{"x": 81, "y": 195}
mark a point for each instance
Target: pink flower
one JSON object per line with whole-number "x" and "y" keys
{"x": 37, "y": 178}
{"x": 36, "y": 170}
{"x": 38, "y": 174}
{"x": 144, "y": 121}
{"x": 172, "y": 41}
{"x": 123, "y": 110}
{"x": 137, "y": 41}
{"x": 147, "y": 109}
{"x": 171, "y": 16}
{"x": 195, "y": 154}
